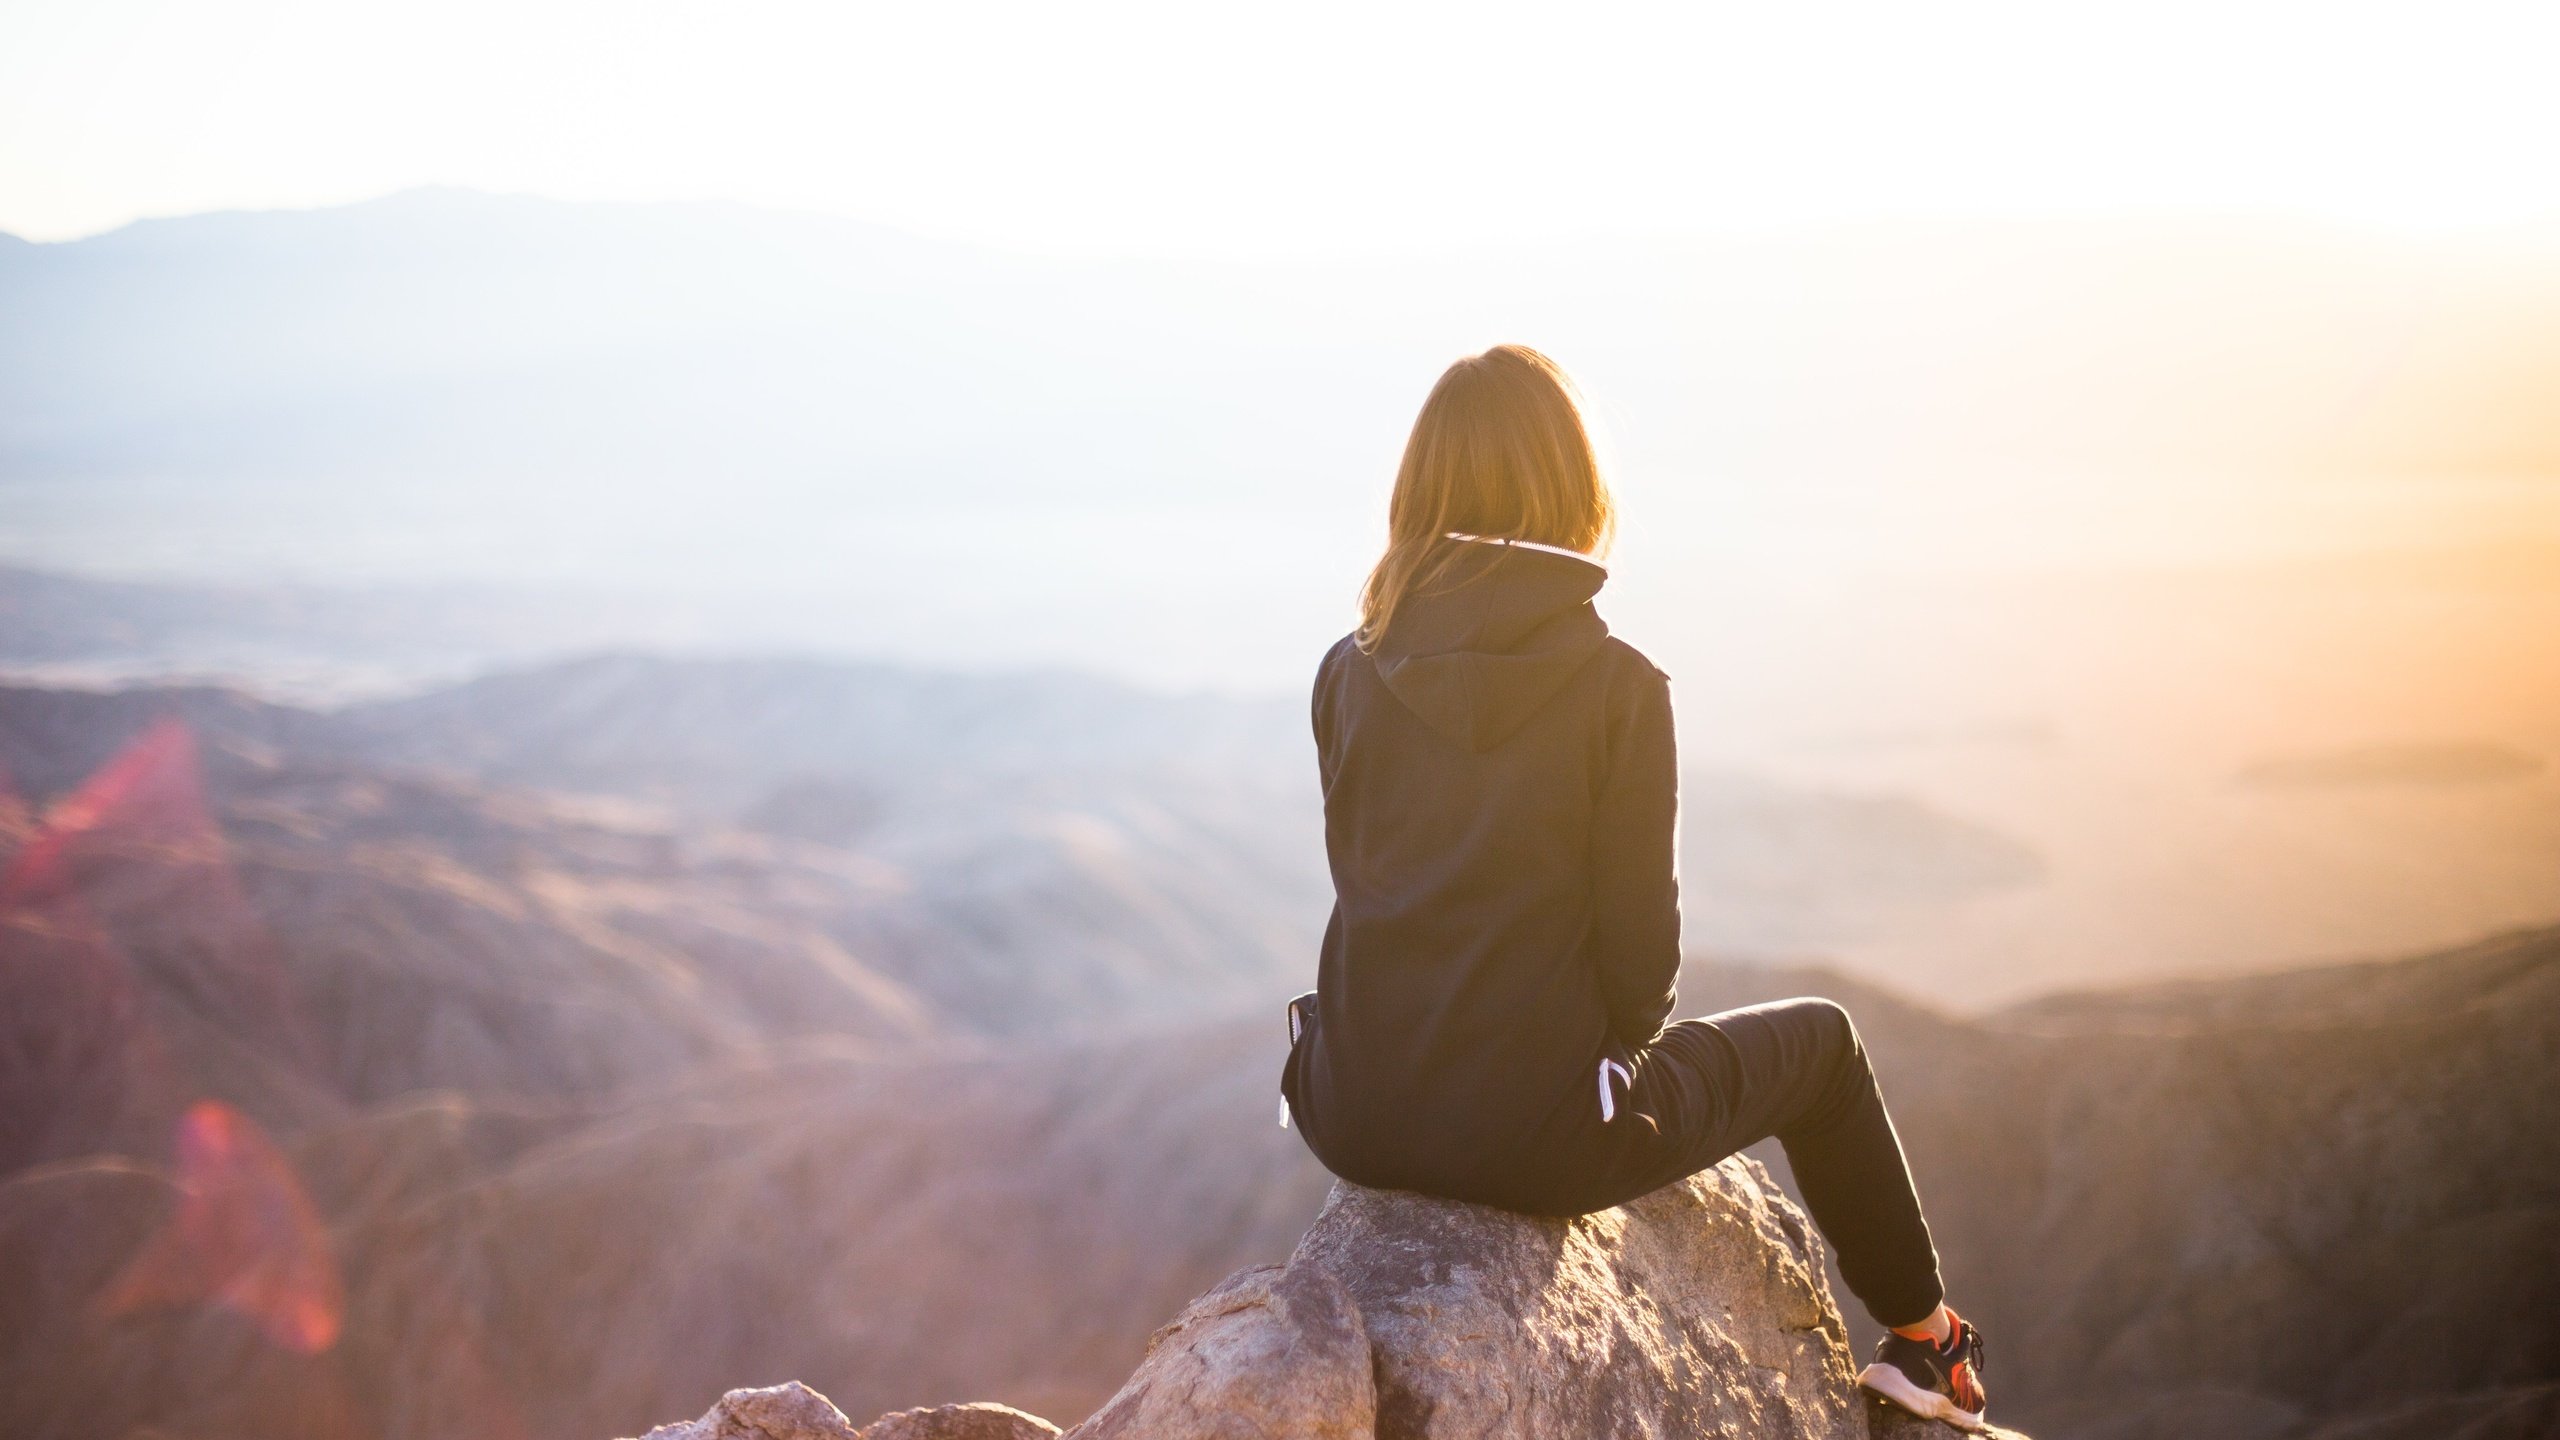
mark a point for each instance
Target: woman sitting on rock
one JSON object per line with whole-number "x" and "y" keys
{"x": 1500, "y": 800}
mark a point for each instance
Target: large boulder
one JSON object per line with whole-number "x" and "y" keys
{"x": 1699, "y": 1310}
{"x": 1274, "y": 1350}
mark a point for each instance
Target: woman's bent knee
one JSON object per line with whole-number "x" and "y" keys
{"x": 1831, "y": 1019}
{"x": 1842, "y": 1051}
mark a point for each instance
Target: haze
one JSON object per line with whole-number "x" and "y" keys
{"x": 1331, "y": 128}
{"x": 654, "y": 660}
{"x": 2046, "y": 418}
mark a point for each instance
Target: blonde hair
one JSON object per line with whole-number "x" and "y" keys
{"x": 1500, "y": 451}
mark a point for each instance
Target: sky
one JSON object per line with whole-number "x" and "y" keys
{"x": 2051, "y": 527}
{"x": 1287, "y": 131}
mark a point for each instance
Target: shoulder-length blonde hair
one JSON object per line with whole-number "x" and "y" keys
{"x": 1499, "y": 451}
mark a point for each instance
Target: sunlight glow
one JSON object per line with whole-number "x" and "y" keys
{"x": 1328, "y": 128}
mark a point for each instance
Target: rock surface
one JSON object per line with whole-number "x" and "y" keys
{"x": 1274, "y": 1350}
{"x": 977, "y": 1421}
{"x": 1698, "y": 1310}
{"x": 793, "y": 1411}
{"x": 789, "y": 1411}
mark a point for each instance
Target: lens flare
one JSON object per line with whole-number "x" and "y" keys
{"x": 131, "y": 863}
{"x": 148, "y": 797}
{"x": 244, "y": 1236}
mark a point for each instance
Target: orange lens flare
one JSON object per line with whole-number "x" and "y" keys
{"x": 244, "y": 1236}
{"x": 149, "y": 794}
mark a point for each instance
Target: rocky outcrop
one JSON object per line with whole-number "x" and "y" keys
{"x": 1274, "y": 1350}
{"x": 795, "y": 1412}
{"x": 1700, "y": 1309}
{"x": 791, "y": 1411}
{"x": 977, "y": 1421}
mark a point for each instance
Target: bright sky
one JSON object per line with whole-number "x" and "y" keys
{"x": 1311, "y": 127}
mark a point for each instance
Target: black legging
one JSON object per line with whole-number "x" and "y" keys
{"x": 1796, "y": 1069}
{"x": 1704, "y": 1090}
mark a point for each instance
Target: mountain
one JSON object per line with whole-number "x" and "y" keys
{"x": 2262, "y": 1205}
{"x": 314, "y": 644}
{"x": 438, "y": 332}
{"x": 2151, "y": 1254}
{"x": 2308, "y": 1204}
{"x": 371, "y": 1033}
{"x": 979, "y": 900}
{"x": 2033, "y": 561}
{"x": 343, "y": 1093}
{"x": 805, "y": 433}
{"x": 716, "y": 735}
{"x": 1024, "y": 849}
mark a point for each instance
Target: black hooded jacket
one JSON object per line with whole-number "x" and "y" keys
{"x": 1500, "y": 796}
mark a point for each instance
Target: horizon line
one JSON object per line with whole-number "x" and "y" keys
{"x": 2084, "y": 219}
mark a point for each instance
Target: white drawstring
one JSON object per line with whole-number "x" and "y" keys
{"x": 1608, "y": 1101}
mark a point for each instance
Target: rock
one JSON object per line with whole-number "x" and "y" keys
{"x": 795, "y": 1412}
{"x": 1700, "y": 1309}
{"x": 978, "y": 1421}
{"x": 1273, "y": 1353}
{"x": 790, "y": 1411}
{"x": 1697, "y": 1309}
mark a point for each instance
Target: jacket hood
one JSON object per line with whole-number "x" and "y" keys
{"x": 1491, "y": 642}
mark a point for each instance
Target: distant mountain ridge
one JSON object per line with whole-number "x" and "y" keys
{"x": 310, "y": 644}
{"x": 716, "y": 390}
{"x": 996, "y": 897}
{"x": 1175, "y": 838}
{"x": 625, "y": 722}
{"x": 449, "y": 289}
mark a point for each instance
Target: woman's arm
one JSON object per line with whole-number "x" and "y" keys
{"x": 1635, "y": 884}
{"x": 1320, "y": 705}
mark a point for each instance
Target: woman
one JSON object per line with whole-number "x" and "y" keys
{"x": 1500, "y": 802}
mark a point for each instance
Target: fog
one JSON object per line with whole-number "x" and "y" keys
{"x": 2057, "y": 527}
{"x": 2049, "y": 526}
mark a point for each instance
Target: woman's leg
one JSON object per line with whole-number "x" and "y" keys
{"x": 1796, "y": 1069}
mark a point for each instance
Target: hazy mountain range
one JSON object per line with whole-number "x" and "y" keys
{"x": 438, "y": 334}
{"x": 2066, "y": 538}
{"x": 2207, "y": 772}
{"x": 815, "y": 433}
{"x": 1016, "y": 852}
{"x": 353, "y": 1093}
{"x": 599, "y": 802}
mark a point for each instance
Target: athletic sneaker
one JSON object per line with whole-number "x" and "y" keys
{"x": 1930, "y": 1380}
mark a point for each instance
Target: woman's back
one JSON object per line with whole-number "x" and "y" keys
{"x": 1499, "y": 800}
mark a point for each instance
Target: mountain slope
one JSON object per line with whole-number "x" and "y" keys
{"x": 343, "y": 1098}
{"x": 2273, "y": 1200}
{"x": 898, "y": 826}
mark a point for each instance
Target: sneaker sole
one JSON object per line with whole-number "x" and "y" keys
{"x": 1892, "y": 1384}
